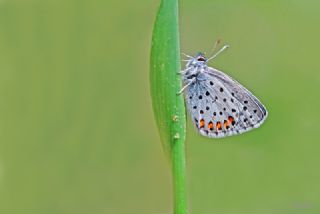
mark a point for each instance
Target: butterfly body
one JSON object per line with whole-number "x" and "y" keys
{"x": 219, "y": 106}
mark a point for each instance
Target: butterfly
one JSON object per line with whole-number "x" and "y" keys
{"x": 219, "y": 105}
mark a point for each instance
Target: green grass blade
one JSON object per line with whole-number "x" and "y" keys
{"x": 169, "y": 107}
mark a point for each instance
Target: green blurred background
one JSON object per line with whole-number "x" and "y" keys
{"x": 77, "y": 133}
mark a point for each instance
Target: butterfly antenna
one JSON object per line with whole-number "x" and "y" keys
{"x": 215, "y": 46}
{"x": 220, "y": 51}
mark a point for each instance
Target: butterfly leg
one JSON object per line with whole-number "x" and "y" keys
{"x": 184, "y": 71}
{"x": 186, "y": 86}
{"x": 186, "y": 55}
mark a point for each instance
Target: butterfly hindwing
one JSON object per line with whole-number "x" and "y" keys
{"x": 251, "y": 106}
{"x": 221, "y": 107}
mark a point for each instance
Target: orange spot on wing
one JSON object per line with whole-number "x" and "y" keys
{"x": 231, "y": 120}
{"x": 226, "y": 124}
{"x": 201, "y": 124}
{"x": 210, "y": 125}
{"x": 219, "y": 126}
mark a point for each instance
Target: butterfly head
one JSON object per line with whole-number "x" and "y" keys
{"x": 200, "y": 57}
{"x": 198, "y": 62}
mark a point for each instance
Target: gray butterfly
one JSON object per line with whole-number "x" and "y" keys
{"x": 219, "y": 105}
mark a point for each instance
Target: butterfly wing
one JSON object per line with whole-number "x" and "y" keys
{"x": 221, "y": 107}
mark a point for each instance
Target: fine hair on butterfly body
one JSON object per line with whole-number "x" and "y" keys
{"x": 219, "y": 105}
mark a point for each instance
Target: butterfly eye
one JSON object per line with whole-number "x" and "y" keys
{"x": 201, "y": 59}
